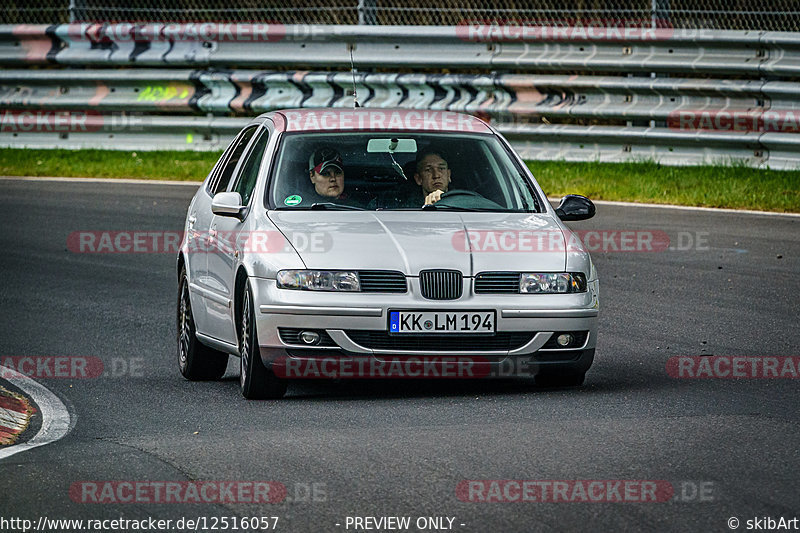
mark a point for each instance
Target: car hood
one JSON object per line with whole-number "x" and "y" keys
{"x": 410, "y": 241}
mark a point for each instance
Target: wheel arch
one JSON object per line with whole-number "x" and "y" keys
{"x": 180, "y": 264}
{"x": 238, "y": 287}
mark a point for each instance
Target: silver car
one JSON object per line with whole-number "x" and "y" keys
{"x": 366, "y": 243}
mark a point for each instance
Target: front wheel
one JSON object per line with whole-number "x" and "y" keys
{"x": 256, "y": 381}
{"x": 196, "y": 361}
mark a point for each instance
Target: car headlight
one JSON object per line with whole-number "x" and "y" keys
{"x": 552, "y": 283}
{"x": 319, "y": 280}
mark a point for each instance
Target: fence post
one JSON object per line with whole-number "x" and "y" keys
{"x": 659, "y": 12}
{"x": 77, "y": 11}
{"x": 366, "y": 13}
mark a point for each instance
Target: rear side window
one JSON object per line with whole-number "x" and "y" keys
{"x": 249, "y": 174}
{"x": 223, "y": 177}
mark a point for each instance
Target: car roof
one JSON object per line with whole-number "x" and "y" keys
{"x": 364, "y": 119}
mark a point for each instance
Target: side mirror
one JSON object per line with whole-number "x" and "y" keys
{"x": 227, "y": 204}
{"x": 575, "y": 207}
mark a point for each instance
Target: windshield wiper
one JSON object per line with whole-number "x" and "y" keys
{"x": 331, "y": 205}
{"x": 454, "y": 208}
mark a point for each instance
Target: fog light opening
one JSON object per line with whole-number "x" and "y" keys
{"x": 310, "y": 338}
{"x": 564, "y": 340}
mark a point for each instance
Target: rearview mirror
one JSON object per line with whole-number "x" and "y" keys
{"x": 392, "y": 146}
{"x": 227, "y": 204}
{"x": 575, "y": 207}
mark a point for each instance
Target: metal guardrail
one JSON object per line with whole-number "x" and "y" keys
{"x": 451, "y": 47}
{"x": 499, "y": 96}
{"x": 734, "y": 99}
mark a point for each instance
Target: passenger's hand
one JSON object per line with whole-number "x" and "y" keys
{"x": 434, "y": 197}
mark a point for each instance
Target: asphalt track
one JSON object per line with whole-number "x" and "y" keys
{"x": 400, "y": 448}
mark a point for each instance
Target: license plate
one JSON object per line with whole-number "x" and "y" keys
{"x": 441, "y": 322}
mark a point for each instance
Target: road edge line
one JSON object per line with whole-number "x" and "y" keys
{"x": 555, "y": 200}
{"x": 102, "y": 180}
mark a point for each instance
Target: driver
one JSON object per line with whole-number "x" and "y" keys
{"x": 433, "y": 175}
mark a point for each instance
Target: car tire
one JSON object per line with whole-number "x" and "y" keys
{"x": 196, "y": 361}
{"x": 560, "y": 379}
{"x": 256, "y": 381}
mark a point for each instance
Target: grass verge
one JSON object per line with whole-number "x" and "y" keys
{"x": 737, "y": 187}
{"x": 166, "y": 165}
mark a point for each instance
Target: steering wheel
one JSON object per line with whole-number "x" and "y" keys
{"x": 467, "y": 199}
{"x": 462, "y": 193}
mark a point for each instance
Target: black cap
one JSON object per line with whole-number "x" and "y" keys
{"x": 324, "y": 158}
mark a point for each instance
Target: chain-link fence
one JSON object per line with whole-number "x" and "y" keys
{"x": 774, "y": 15}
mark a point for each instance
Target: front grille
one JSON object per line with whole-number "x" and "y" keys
{"x": 292, "y": 336}
{"x": 381, "y": 340}
{"x": 441, "y": 284}
{"x": 497, "y": 283}
{"x": 382, "y": 281}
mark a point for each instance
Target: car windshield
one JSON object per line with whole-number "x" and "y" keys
{"x": 397, "y": 171}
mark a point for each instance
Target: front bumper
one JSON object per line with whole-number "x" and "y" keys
{"x": 339, "y": 313}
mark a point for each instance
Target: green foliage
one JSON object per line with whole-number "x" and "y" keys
{"x": 734, "y": 186}
{"x": 166, "y": 165}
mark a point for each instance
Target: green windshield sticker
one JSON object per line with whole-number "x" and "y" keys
{"x": 293, "y": 199}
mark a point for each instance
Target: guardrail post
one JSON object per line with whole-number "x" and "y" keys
{"x": 659, "y": 16}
